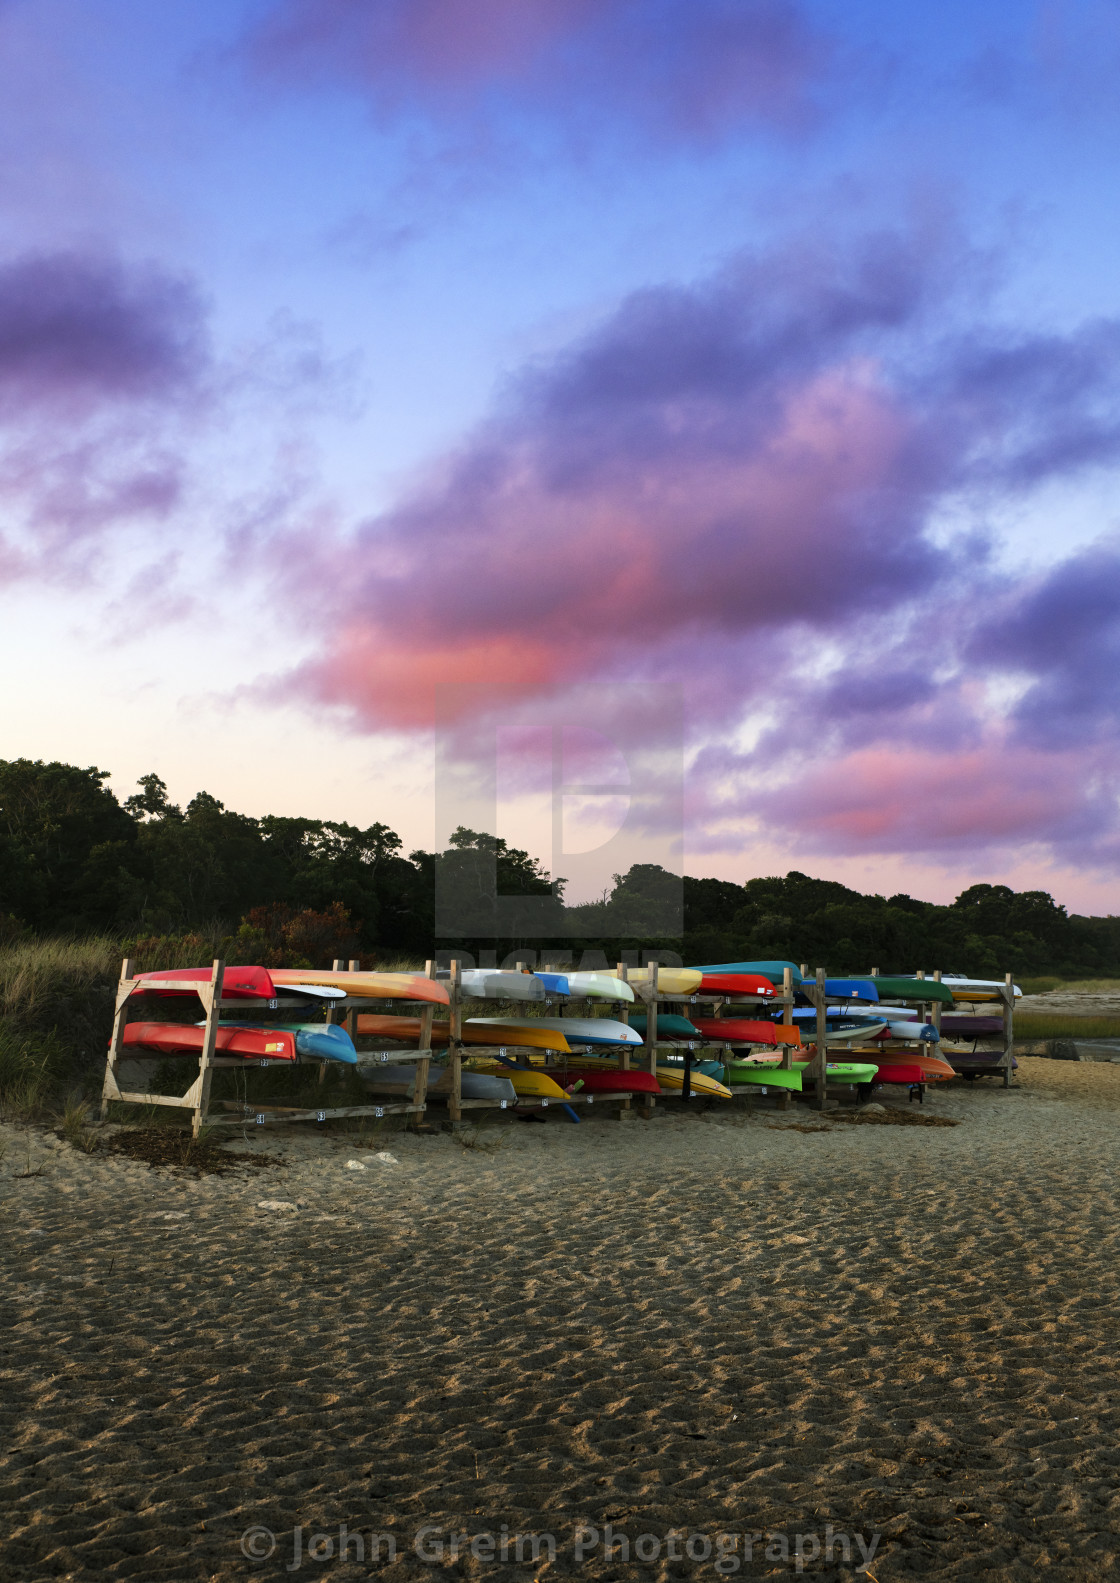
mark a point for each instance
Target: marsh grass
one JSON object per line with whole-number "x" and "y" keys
{"x": 75, "y": 1126}
{"x": 1066, "y": 986}
{"x": 1064, "y": 1025}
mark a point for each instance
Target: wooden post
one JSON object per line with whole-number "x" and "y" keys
{"x": 116, "y": 1043}
{"x": 787, "y": 1017}
{"x": 427, "y": 1016}
{"x": 822, "y": 1040}
{"x": 211, "y": 997}
{"x": 650, "y": 998}
{"x": 455, "y": 1035}
{"x": 1008, "y": 1027}
{"x": 623, "y": 972}
{"x": 935, "y": 1014}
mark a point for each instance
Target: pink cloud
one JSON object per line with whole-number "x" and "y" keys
{"x": 728, "y": 488}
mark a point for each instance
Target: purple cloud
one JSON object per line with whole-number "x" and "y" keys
{"x": 690, "y": 68}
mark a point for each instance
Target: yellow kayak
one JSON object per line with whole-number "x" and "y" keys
{"x": 669, "y": 1078}
{"x": 526, "y": 1084}
{"x": 371, "y": 986}
{"x": 670, "y": 980}
{"x": 372, "y": 1025}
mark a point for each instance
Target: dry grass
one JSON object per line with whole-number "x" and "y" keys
{"x": 1066, "y": 986}
{"x": 35, "y": 973}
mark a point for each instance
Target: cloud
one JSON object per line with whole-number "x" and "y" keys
{"x": 101, "y": 368}
{"x": 684, "y": 68}
{"x": 731, "y": 487}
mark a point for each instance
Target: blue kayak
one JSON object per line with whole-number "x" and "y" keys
{"x": 774, "y": 971}
{"x": 320, "y": 1041}
{"x": 554, "y": 983}
{"x": 848, "y": 988}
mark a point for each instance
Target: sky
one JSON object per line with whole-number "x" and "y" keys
{"x": 711, "y": 403}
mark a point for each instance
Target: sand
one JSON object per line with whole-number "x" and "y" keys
{"x": 703, "y": 1324}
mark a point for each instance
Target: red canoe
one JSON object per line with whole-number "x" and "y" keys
{"x": 740, "y": 1030}
{"x": 746, "y": 985}
{"x": 252, "y": 983}
{"x": 612, "y": 1082}
{"x": 180, "y": 1038}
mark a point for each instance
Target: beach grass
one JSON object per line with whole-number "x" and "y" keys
{"x": 1067, "y": 986}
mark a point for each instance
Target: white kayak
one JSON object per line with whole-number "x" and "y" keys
{"x": 483, "y": 983}
{"x": 989, "y": 987}
{"x": 598, "y": 986}
{"x": 580, "y": 1030}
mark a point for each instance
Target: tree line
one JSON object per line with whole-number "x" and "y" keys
{"x": 74, "y": 859}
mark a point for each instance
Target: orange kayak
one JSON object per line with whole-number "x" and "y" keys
{"x": 370, "y": 986}
{"x": 370, "y": 1025}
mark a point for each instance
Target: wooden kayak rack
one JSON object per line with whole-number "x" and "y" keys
{"x": 197, "y": 1098}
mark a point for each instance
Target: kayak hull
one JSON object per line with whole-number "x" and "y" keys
{"x": 476, "y": 1030}
{"x": 368, "y": 986}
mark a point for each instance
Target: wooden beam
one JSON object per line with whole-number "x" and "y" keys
{"x": 822, "y": 1040}
{"x": 455, "y": 1045}
{"x": 109, "y": 1088}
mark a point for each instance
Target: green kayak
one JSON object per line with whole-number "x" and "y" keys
{"x": 744, "y": 1072}
{"x": 898, "y": 988}
{"x": 846, "y": 1071}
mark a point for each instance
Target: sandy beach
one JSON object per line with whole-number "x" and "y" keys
{"x": 701, "y": 1326}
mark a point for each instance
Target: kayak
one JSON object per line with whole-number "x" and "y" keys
{"x": 774, "y": 971}
{"x": 845, "y": 988}
{"x": 976, "y": 988}
{"x": 554, "y": 983}
{"x": 480, "y": 983}
{"x": 906, "y": 987}
{"x": 971, "y": 1027}
{"x": 851, "y": 1032}
{"x": 739, "y": 1030}
{"x": 669, "y": 1026}
{"x": 613, "y": 1081}
{"x": 250, "y": 983}
{"x": 316, "y": 1041}
{"x": 527, "y": 1083}
{"x": 845, "y": 1071}
{"x": 175, "y": 1038}
{"x": 910, "y": 1073}
{"x": 671, "y": 981}
{"x": 669, "y": 1077}
{"x": 888, "y": 1060}
{"x": 402, "y": 1080}
{"x": 749, "y": 985}
{"x": 577, "y": 1030}
{"x": 741, "y": 1073}
{"x": 476, "y": 1030}
{"x": 598, "y": 986}
{"x": 367, "y": 986}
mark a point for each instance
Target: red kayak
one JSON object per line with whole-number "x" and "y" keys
{"x": 740, "y": 1030}
{"x": 747, "y": 985}
{"x": 178, "y": 1038}
{"x": 252, "y": 983}
{"x": 612, "y": 1082}
{"x": 911, "y": 1072}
